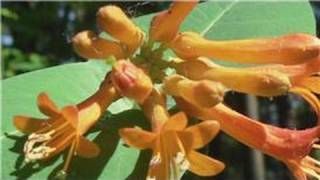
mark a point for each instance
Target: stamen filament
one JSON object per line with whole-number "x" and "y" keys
{"x": 70, "y": 154}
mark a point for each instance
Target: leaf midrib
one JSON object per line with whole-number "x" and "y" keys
{"x": 215, "y": 20}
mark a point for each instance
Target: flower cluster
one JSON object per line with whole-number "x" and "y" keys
{"x": 287, "y": 64}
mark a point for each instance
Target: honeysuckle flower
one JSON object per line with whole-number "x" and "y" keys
{"x": 131, "y": 81}
{"x": 289, "y": 146}
{"x": 262, "y": 83}
{"x": 64, "y": 128}
{"x": 114, "y": 21}
{"x": 172, "y": 143}
{"x": 89, "y": 45}
{"x": 287, "y": 49}
{"x": 202, "y": 93}
{"x": 165, "y": 25}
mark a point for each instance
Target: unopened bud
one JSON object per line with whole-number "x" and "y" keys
{"x": 131, "y": 81}
{"x": 202, "y": 93}
{"x": 166, "y": 24}
{"x": 114, "y": 21}
{"x": 195, "y": 68}
{"x": 89, "y": 45}
{"x": 264, "y": 83}
{"x": 287, "y": 49}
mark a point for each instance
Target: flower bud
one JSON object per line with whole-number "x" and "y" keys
{"x": 166, "y": 24}
{"x": 261, "y": 83}
{"x": 202, "y": 93}
{"x": 131, "y": 81}
{"x": 88, "y": 45}
{"x": 114, "y": 21}
{"x": 287, "y": 49}
{"x": 195, "y": 68}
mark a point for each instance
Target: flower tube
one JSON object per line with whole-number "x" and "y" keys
{"x": 289, "y": 146}
{"x": 165, "y": 25}
{"x": 286, "y": 49}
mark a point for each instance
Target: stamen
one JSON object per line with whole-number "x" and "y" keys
{"x": 62, "y": 143}
{"x": 316, "y": 146}
{"x": 311, "y": 172}
{"x": 70, "y": 154}
{"x": 181, "y": 161}
{"x": 38, "y": 153}
{"x": 155, "y": 160}
{"x": 313, "y": 160}
{"x": 34, "y": 138}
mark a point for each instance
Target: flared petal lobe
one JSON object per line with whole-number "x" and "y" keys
{"x": 89, "y": 45}
{"x": 203, "y": 133}
{"x": 203, "y": 165}
{"x": 177, "y": 122}
{"x": 137, "y": 138}
{"x": 87, "y": 149}
{"x": 28, "y": 124}
{"x": 46, "y": 105}
{"x": 287, "y": 49}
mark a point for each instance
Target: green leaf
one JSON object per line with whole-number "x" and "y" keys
{"x": 71, "y": 83}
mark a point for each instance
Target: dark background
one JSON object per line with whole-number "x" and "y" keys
{"x": 46, "y": 42}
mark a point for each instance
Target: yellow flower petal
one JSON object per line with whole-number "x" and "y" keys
{"x": 87, "y": 149}
{"x": 166, "y": 24}
{"x": 203, "y": 133}
{"x": 89, "y": 45}
{"x": 137, "y": 138}
{"x": 177, "y": 122}
{"x": 46, "y": 105}
{"x": 203, "y": 165}
{"x": 287, "y": 49}
{"x": 28, "y": 124}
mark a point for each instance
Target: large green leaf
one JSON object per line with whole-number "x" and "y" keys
{"x": 74, "y": 82}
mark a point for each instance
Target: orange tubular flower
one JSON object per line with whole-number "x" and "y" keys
{"x": 289, "y": 146}
{"x": 114, "y": 21}
{"x": 131, "y": 81}
{"x": 172, "y": 143}
{"x": 261, "y": 83}
{"x": 287, "y": 49}
{"x": 66, "y": 127}
{"x": 165, "y": 25}
{"x": 89, "y": 45}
